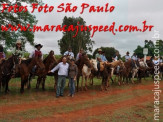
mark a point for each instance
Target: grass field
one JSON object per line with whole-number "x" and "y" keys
{"x": 127, "y": 103}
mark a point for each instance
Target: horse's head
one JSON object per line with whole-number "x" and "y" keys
{"x": 16, "y": 59}
{"x": 85, "y": 60}
{"x": 121, "y": 63}
{"x": 51, "y": 53}
{"x": 94, "y": 64}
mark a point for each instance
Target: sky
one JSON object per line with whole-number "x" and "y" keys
{"x": 126, "y": 12}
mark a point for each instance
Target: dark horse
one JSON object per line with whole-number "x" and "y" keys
{"x": 80, "y": 63}
{"x": 24, "y": 69}
{"x": 6, "y": 71}
{"x": 49, "y": 63}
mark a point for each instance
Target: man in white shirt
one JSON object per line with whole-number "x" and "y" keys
{"x": 127, "y": 57}
{"x": 134, "y": 61}
{"x": 62, "y": 68}
{"x": 69, "y": 53}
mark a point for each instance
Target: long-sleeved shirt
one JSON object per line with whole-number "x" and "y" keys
{"x": 134, "y": 58}
{"x": 62, "y": 69}
{"x": 32, "y": 55}
{"x": 71, "y": 54}
{"x": 20, "y": 53}
{"x": 72, "y": 71}
{"x": 98, "y": 56}
{"x": 103, "y": 58}
{"x": 115, "y": 58}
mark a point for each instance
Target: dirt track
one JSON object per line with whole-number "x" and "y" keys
{"x": 80, "y": 98}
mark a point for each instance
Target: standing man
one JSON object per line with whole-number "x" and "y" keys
{"x": 72, "y": 73}
{"x": 62, "y": 68}
{"x": 127, "y": 57}
{"x": 69, "y": 53}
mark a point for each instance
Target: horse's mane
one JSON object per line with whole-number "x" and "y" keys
{"x": 44, "y": 61}
{"x": 28, "y": 61}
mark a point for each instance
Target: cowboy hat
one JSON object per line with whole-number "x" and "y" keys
{"x": 18, "y": 42}
{"x": 38, "y": 45}
{"x": 99, "y": 50}
{"x": 127, "y": 52}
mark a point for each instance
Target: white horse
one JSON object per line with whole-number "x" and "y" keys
{"x": 86, "y": 72}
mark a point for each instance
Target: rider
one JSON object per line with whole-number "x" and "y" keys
{"x": 69, "y": 53}
{"x": 134, "y": 61}
{"x": 36, "y": 53}
{"x": 79, "y": 54}
{"x": 2, "y": 54}
{"x": 103, "y": 57}
{"x": 127, "y": 57}
{"x": 115, "y": 58}
{"x": 18, "y": 50}
{"x": 98, "y": 58}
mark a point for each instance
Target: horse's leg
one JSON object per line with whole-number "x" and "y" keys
{"x": 112, "y": 80}
{"x": 38, "y": 82}
{"x": 22, "y": 86}
{"x": 29, "y": 81}
{"x": 55, "y": 81}
{"x": 86, "y": 79}
{"x": 0, "y": 85}
{"x": 102, "y": 84}
{"x": 6, "y": 88}
{"x": 43, "y": 83}
{"x": 133, "y": 75}
{"x": 78, "y": 77}
{"x": 82, "y": 83}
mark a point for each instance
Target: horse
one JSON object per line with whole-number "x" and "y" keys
{"x": 86, "y": 72}
{"x": 80, "y": 63}
{"x": 23, "y": 70}
{"x": 127, "y": 69}
{"x": 6, "y": 70}
{"x": 49, "y": 62}
{"x": 105, "y": 71}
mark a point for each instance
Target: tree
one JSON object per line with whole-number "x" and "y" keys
{"x": 139, "y": 51}
{"x": 151, "y": 46}
{"x": 109, "y": 52}
{"x": 82, "y": 40}
{"x": 22, "y": 18}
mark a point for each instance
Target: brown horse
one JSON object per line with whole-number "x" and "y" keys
{"x": 24, "y": 69}
{"x": 49, "y": 62}
{"x": 6, "y": 70}
{"x": 80, "y": 63}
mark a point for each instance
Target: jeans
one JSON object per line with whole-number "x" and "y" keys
{"x": 72, "y": 86}
{"x": 60, "y": 85}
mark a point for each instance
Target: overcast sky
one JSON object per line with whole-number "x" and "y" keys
{"x": 127, "y": 12}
